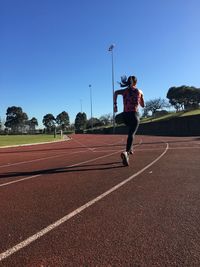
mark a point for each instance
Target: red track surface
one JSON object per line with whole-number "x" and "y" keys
{"x": 151, "y": 220}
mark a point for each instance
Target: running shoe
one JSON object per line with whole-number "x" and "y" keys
{"x": 125, "y": 158}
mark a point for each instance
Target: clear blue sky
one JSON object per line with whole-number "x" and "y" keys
{"x": 51, "y": 50}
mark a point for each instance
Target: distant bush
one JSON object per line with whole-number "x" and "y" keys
{"x": 160, "y": 113}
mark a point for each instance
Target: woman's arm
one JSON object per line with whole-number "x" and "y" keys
{"x": 118, "y": 92}
{"x": 141, "y": 99}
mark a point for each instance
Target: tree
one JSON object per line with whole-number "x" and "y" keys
{"x": 63, "y": 120}
{"x": 16, "y": 119}
{"x": 80, "y": 121}
{"x": 106, "y": 119}
{"x": 145, "y": 113}
{"x": 154, "y": 105}
{"x": 49, "y": 122}
{"x": 184, "y": 97}
{"x": 32, "y": 124}
{"x": 94, "y": 122}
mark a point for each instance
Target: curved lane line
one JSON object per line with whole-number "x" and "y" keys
{"x": 69, "y": 166}
{"x": 76, "y": 164}
{"x": 54, "y": 225}
{"x": 51, "y": 157}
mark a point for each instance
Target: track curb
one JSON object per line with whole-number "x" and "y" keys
{"x": 66, "y": 138}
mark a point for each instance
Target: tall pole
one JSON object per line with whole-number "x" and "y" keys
{"x": 81, "y": 104}
{"x": 90, "y": 86}
{"x": 113, "y": 85}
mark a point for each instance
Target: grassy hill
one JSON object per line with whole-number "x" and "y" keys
{"x": 172, "y": 115}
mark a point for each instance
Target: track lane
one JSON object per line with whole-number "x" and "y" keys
{"x": 83, "y": 207}
{"x": 22, "y": 154}
{"x": 59, "y": 184}
{"x": 123, "y": 171}
{"x": 71, "y": 156}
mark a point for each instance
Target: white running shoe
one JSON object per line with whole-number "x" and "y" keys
{"x": 125, "y": 158}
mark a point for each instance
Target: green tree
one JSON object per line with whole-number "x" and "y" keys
{"x": 16, "y": 119}
{"x": 154, "y": 105}
{"x": 93, "y": 122}
{"x": 49, "y": 122}
{"x": 32, "y": 124}
{"x": 106, "y": 119}
{"x": 80, "y": 121}
{"x": 63, "y": 120}
{"x": 184, "y": 97}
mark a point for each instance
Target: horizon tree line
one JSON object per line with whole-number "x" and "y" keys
{"x": 181, "y": 98}
{"x": 17, "y": 121}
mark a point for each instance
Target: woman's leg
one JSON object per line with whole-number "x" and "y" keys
{"x": 133, "y": 126}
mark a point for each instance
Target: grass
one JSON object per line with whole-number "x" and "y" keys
{"x": 172, "y": 115}
{"x": 192, "y": 112}
{"x": 9, "y": 140}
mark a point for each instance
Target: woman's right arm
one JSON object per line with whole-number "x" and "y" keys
{"x": 118, "y": 92}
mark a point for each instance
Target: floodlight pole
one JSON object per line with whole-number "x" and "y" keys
{"x": 113, "y": 89}
{"x": 81, "y": 104}
{"x": 90, "y": 86}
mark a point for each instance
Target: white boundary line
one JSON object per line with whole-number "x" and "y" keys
{"x": 40, "y": 159}
{"x": 30, "y": 161}
{"x": 54, "y": 225}
{"x": 51, "y": 157}
{"x": 33, "y": 144}
{"x": 69, "y": 166}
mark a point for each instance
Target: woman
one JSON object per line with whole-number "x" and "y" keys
{"x": 132, "y": 98}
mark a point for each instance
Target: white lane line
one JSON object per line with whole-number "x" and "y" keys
{"x": 54, "y": 225}
{"x": 96, "y": 146}
{"x": 45, "y": 158}
{"x": 170, "y": 148}
{"x": 85, "y": 146}
{"x": 153, "y": 149}
{"x": 40, "y": 159}
{"x": 29, "y": 161}
{"x": 20, "y": 180}
{"x": 69, "y": 166}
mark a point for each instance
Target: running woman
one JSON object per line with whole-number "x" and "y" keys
{"x": 132, "y": 98}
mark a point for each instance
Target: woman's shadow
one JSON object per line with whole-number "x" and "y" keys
{"x": 67, "y": 169}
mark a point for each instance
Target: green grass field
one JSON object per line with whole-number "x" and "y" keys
{"x": 9, "y": 140}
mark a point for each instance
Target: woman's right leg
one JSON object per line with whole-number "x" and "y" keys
{"x": 133, "y": 126}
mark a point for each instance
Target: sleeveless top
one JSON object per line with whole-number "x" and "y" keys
{"x": 131, "y": 99}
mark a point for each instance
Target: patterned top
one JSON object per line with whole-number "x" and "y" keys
{"x": 131, "y": 98}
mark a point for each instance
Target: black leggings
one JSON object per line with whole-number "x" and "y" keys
{"x": 131, "y": 119}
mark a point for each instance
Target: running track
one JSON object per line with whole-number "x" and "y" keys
{"x": 72, "y": 203}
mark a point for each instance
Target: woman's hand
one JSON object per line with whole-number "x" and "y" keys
{"x": 115, "y": 107}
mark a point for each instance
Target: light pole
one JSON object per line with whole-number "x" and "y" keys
{"x": 90, "y": 86}
{"x": 81, "y": 104}
{"x": 110, "y": 49}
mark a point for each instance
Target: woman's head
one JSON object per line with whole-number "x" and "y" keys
{"x": 132, "y": 80}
